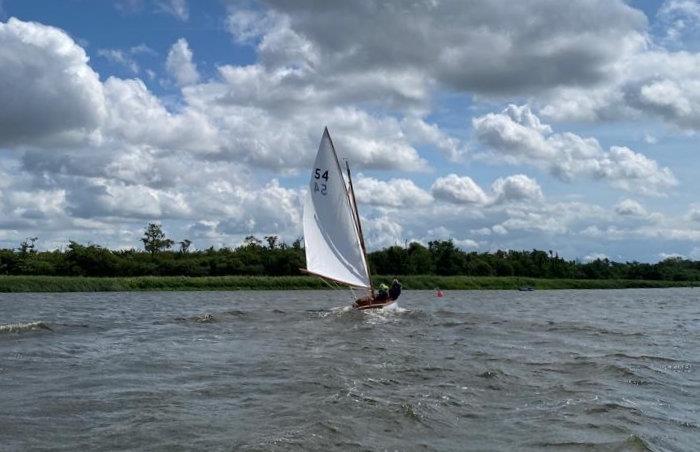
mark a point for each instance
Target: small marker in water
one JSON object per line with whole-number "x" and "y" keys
{"x": 439, "y": 293}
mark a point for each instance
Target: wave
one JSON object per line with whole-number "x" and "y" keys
{"x": 642, "y": 357}
{"x": 631, "y": 443}
{"x": 203, "y": 318}
{"x": 567, "y": 327}
{"x": 23, "y": 327}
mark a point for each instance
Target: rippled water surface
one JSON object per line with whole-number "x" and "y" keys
{"x": 589, "y": 370}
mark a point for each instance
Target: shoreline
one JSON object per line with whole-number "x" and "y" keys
{"x": 231, "y": 283}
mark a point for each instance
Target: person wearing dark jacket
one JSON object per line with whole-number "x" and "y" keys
{"x": 395, "y": 289}
{"x": 382, "y": 294}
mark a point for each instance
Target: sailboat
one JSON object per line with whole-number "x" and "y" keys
{"x": 333, "y": 240}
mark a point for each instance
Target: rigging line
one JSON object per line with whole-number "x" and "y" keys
{"x": 330, "y": 283}
{"x": 336, "y": 286}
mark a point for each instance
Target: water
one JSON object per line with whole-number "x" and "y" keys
{"x": 560, "y": 370}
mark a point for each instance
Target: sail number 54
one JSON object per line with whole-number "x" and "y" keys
{"x": 320, "y": 186}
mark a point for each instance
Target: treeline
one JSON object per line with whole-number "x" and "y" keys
{"x": 271, "y": 257}
{"x": 442, "y": 257}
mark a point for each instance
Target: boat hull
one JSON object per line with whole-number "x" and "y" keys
{"x": 364, "y": 304}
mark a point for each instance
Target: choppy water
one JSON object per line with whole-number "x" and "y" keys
{"x": 569, "y": 370}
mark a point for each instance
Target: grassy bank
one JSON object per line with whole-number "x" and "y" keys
{"x": 151, "y": 283}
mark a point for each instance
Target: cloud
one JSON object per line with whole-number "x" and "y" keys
{"x": 382, "y": 231}
{"x": 655, "y": 83}
{"x": 517, "y": 136}
{"x": 202, "y": 159}
{"x": 138, "y": 117}
{"x": 176, "y": 8}
{"x": 694, "y": 213}
{"x": 113, "y": 199}
{"x": 420, "y": 132}
{"x": 180, "y": 65}
{"x": 125, "y": 57}
{"x": 680, "y": 18}
{"x": 271, "y": 209}
{"x": 630, "y": 207}
{"x": 518, "y": 187}
{"x": 458, "y": 190}
{"x": 250, "y": 102}
{"x": 392, "y": 193}
{"x": 53, "y": 90}
{"x": 121, "y": 58}
{"x": 559, "y": 44}
{"x": 463, "y": 190}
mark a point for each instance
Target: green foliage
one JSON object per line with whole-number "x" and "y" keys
{"x": 272, "y": 257}
{"x": 154, "y": 239}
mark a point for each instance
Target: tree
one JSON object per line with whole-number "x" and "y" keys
{"x": 271, "y": 241}
{"x": 28, "y": 245}
{"x": 420, "y": 260}
{"x": 251, "y": 240}
{"x": 154, "y": 239}
{"x": 185, "y": 246}
{"x": 448, "y": 259}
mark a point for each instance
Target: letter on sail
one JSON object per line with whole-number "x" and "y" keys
{"x": 331, "y": 235}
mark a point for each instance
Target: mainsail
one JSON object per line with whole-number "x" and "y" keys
{"x": 331, "y": 234}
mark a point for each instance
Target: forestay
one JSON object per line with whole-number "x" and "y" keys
{"x": 331, "y": 235}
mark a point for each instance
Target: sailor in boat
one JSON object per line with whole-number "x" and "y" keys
{"x": 385, "y": 295}
{"x": 382, "y": 293}
{"x": 395, "y": 289}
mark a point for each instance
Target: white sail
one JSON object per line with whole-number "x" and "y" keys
{"x": 331, "y": 236}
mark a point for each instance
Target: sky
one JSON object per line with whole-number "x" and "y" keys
{"x": 566, "y": 126}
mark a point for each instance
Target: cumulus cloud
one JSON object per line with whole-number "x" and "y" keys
{"x": 113, "y": 199}
{"x": 382, "y": 231}
{"x": 271, "y": 209}
{"x": 252, "y": 102}
{"x": 49, "y": 89}
{"x": 630, "y": 207}
{"x": 139, "y": 117}
{"x": 463, "y": 190}
{"x": 656, "y": 83}
{"x": 518, "y": 187}
{"x": 392, "y": 193}
{"x": 421, "y": 132}
{"x": 559, "y": 44}
{"x": 516, "y": 135}
{"x": 180, "y": 65}
{"x": 458, "y": 190}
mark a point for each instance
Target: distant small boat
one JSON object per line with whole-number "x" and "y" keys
{"x": 526, "y": 288}
{"x": 333, "y": 241}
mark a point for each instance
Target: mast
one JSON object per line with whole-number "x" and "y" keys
{"x": 359, "y": 226}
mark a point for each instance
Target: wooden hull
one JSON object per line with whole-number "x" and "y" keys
{"x": 364, "y": 304}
